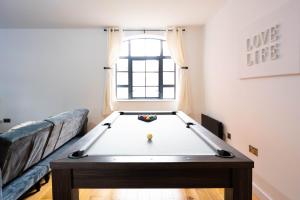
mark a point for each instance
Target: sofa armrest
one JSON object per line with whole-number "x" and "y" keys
{"x": 84, "y": 129}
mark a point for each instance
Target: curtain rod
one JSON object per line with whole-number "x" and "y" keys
{"x": 144, "y": 30}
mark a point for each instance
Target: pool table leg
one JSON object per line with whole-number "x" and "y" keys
{"x": 241, "y": 185}
{"x": 62, "y": 185}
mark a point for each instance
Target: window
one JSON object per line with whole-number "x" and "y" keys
{"x": 145, "y": 70}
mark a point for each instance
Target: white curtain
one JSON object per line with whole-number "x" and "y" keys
{"x": 114, "y": 41}
{"x": 174, "y": 42}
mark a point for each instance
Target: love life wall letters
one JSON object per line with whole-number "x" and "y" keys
{"x": 271, "y": 45}
{"x": 264, "y": 46}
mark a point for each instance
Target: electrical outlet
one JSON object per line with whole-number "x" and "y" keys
{"x": 253, "y": 150}
{"x": 6, "y": 120}
{"x": 229, "y": 136}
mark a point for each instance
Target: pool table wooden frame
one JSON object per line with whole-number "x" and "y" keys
{"x": 198, "y": 171}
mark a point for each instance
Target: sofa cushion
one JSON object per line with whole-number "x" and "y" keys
{"x": 53, "y": 136}
{"x": 72, "y": 124}
{"x": 21, "y": 148}
{"x": 16, "y": 188}
{"x": 38, "y": 145}
{"x": 59, "y": 153}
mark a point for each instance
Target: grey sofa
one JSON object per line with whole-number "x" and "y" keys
{"x": 27, "y": 150}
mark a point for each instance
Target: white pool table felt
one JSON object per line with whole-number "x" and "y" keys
{"x": 128, "y": 136}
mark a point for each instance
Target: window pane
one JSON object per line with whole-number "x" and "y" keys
{"x": 152, "y": 47}
{"x": 152, "y": 79}
{"x": 152, "y": 92}
{"x": 122, "y": 65}
{"x": 168, "y": 65}
{"x": 138, "y": 91}
{"x": 138, "y": 47}
{"x": 145, "y": 73}
{"x": 122, "y": 78}
{"x": 138, "y": 79}
{"x": 166, "y": 51}
{"x": 122, "y": 92}
{"x": 168, "y": 92}
{"x": 138, "y": 65}
{"x": 124, "y": 49}
{"x": 168, "y": 78}
{"x": 152, "y": 65}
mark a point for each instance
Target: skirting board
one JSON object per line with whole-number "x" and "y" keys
{"x": 260, "y": 193}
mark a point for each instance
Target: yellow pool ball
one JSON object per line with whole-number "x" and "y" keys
{"x": 149, "y": 136}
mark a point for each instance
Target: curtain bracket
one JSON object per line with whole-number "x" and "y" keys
{"x": 186, "y": 67}
{"x": 106, "y": 67}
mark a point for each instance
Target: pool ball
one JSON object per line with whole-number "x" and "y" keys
{"x": 149, "y": 136}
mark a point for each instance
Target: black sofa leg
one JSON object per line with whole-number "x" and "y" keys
{"x": 37, "y": 186}
{"x": 47, "y": 177}
{"x": 83, "y": 129}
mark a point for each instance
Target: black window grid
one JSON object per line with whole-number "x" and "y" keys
{"x": 160, "y": 85}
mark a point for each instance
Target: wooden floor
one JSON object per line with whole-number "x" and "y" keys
{"x": 137, "y": 194}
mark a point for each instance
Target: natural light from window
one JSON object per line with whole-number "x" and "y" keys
{"x": 145, "y": 70}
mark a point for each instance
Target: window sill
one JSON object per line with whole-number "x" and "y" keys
{"x": 145, "y": 100}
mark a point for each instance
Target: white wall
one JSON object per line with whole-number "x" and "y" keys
{"x": 193, "y": 48}
{"x": 264, "y": 112}
{"x": 46, "y": 71}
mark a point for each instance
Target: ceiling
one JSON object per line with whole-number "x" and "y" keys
{"x": 96, "y": 13}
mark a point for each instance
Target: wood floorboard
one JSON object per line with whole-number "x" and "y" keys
{"x": 137, "y": 194}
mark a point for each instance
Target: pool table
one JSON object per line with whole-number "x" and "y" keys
{"x": 181, "y": 154}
